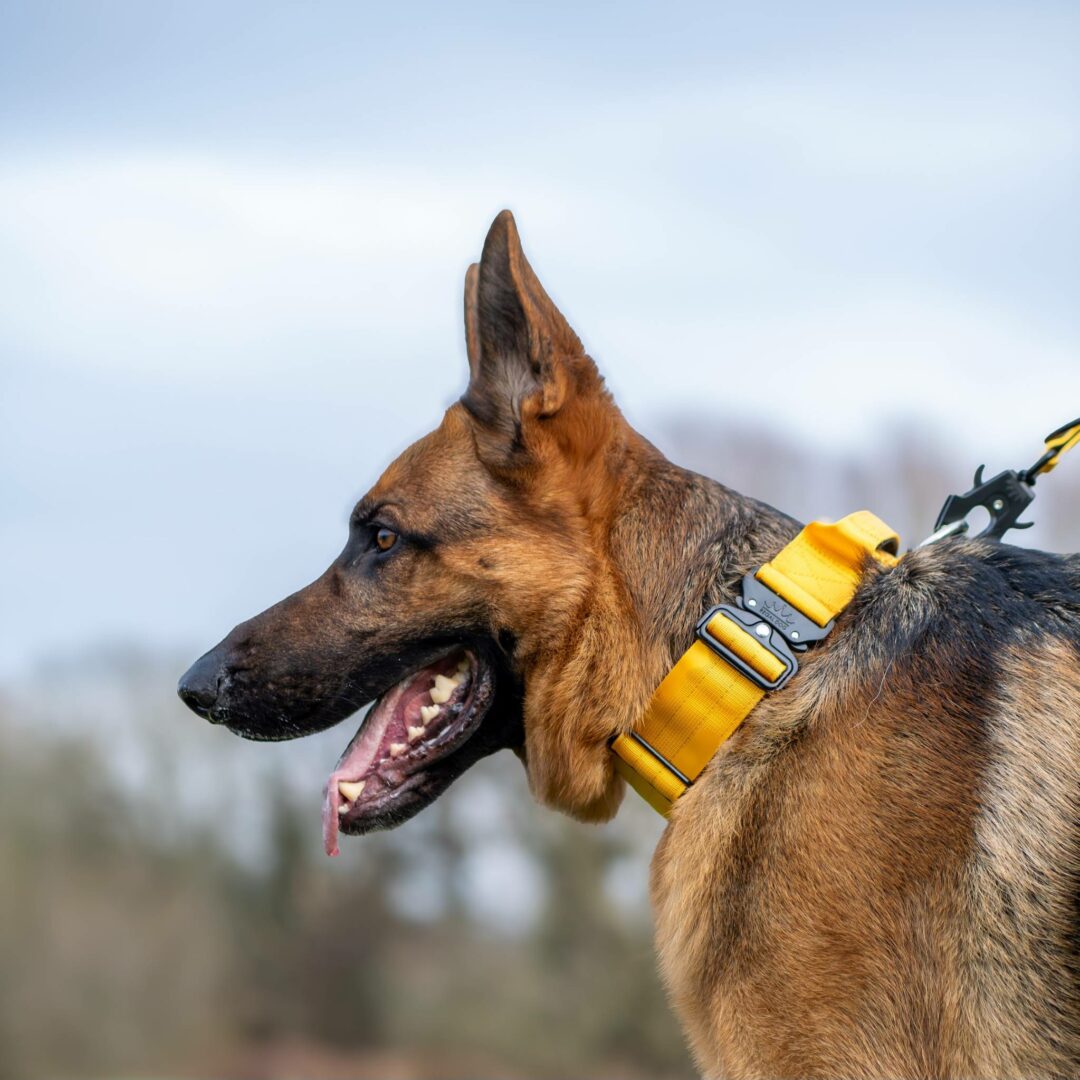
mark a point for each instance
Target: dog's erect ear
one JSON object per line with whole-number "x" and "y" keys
{"x": 522, "y": 352}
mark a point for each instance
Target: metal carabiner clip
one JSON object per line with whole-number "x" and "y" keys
{"x": 1005, "y": 496}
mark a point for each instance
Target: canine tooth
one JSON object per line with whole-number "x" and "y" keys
{"x": 351, "y": 790}
{"x": 428, "y": 713}
{"x": 442, "y": 689}
{"x": 414, "y": 733}
{"x": 343, "y": 809}
{"x": 397, "y": 749}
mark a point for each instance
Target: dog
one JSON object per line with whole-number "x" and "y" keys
{"x": 878, "y": 875}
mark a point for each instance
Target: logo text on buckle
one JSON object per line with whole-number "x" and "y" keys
{"x": 777, "y": 613}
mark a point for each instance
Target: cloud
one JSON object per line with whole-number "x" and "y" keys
{"x": 209, "y": 348}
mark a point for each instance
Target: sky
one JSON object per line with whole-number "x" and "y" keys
{"x": 233, "y": 239}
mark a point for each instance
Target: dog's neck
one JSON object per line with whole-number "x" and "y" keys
{"x": 683, "y": 543}
{"x": 666, "y": 543}
{"x": 674, "y": 544}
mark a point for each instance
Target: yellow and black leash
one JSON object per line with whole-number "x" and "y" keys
{"x": 1057, "y": 442}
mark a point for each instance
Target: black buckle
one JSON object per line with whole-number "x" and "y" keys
{"x": 772, "y": 622}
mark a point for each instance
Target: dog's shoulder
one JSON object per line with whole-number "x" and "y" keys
{"x": 963, "y": 596}
{"x": 984, "y": 639}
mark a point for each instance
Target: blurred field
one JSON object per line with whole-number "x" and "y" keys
{"x": 166, "y": 908}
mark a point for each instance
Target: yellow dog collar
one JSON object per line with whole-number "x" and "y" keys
{"x": 742, "y": 651}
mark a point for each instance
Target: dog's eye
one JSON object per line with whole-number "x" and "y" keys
{"x": 385, "y": 539}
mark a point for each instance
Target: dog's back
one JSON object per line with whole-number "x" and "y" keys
{"x": 889, "y": 862}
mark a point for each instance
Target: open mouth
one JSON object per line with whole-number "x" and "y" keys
{"x": 402, "y": 756}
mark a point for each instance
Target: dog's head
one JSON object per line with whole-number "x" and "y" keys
{"x": 464, "y": 600}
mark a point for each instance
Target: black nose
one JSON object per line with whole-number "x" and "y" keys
{"x": 199, "y": 685}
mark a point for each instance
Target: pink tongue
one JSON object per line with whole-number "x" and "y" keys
{"x": 361, "y": 754}
{"x": 330, "y": 823}
{"x": 385, "y": 723}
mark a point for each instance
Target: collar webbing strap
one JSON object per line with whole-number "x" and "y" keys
{"x": 743, "y": 651}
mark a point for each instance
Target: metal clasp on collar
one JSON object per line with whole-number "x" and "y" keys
{"x": 772, "y": 622}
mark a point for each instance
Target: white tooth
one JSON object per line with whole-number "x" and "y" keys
{"x": 414, "y": 733}
{"x": 397, "y": 749}
{"x": 343, "y": 809}
{"x": 350, "y": 790}
{"x": 442, "y": 689}
{"x": 428, "y": 713}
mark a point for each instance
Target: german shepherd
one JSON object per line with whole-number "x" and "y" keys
{"x": 877, "y": 876}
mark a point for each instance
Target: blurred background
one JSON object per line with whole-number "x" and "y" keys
{"x": 825, "y": 253}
